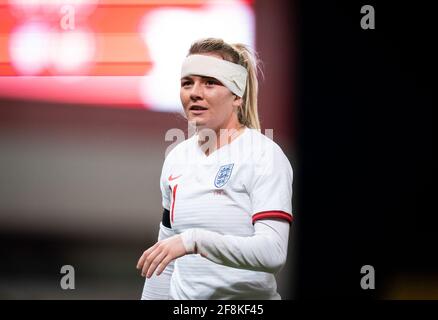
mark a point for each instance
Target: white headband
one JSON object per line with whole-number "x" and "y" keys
{"x": 232, "y": 75}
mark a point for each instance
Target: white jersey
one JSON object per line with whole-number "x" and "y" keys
{"x": 225, "y": 192}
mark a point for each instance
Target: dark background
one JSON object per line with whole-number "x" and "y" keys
{"x": 365, "y": 187}
{"x": 356, "y": 120}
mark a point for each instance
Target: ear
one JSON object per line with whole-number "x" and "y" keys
{"x": 237, "y": 102}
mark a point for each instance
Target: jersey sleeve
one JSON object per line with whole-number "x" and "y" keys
{"x": 164, "y": 186}
{"x": 271, "y": 189}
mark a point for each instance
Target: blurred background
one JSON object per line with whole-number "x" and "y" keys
{"x": 365, "y": 190}
{"x": 88, "y": 90}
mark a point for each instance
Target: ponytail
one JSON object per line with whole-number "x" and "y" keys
{"x": 248, "y": 113}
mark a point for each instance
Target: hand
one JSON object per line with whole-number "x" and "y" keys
{"x": 160, "y": 255}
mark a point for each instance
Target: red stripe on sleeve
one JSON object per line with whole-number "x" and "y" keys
{"x": 173, "y": 200}
{"x": 272, "y": 214}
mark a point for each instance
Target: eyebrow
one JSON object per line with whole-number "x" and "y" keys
{"x": 203, "y": 77}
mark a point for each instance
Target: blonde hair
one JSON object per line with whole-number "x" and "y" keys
{"x": 240, "y": 54}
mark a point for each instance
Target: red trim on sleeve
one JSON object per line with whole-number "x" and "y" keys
{"x": 272, "y": 214}
{"x": 173, "y": 200}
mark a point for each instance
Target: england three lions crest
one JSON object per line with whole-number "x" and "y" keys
{"x": 223, "y": 175}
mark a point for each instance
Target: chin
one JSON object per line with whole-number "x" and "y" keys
{"x": 198, "y": 122}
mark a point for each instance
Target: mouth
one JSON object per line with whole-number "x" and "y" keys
{"x": 197, "y": 108}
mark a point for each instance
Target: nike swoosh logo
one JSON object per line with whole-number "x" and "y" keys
{"x": 173, "y": 178}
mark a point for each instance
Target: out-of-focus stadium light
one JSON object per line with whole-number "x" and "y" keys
{"x": 28, "y": 48}
{"x": 71, "y": 52}
{"x": 33, "y": 48}
{"x": 169, "y": 33}
{"x": 143, "y": 41}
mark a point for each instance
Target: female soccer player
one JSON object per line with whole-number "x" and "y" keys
{"x": 226, "y": 191}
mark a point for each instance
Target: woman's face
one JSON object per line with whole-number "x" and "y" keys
{"x": 208, "y": 103}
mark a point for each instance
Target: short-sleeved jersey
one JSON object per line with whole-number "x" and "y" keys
{"x": 226, "y": 192}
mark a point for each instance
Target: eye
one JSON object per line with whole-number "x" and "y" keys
{"x": 185, "y": 83}
{"x": 211, "y": 82}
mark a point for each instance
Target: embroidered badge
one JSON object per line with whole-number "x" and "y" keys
{"x": 223, "y": 175}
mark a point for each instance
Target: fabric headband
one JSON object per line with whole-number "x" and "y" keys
{"x": 232, "y": 75}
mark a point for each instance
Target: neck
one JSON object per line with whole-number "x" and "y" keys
{"x": 211, "y": 140}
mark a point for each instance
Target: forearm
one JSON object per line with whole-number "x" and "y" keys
{"x": 265, "y": 251}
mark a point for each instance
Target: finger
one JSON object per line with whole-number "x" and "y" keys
{"x": 145, "y": 255}
{"x": 163, "y": 264}
{"x": 149, "y": 259}
{"x": 155, "y": 263}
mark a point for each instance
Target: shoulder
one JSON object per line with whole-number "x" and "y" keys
{"x": 179, "y": 152}
{"x": 263, "y": 147}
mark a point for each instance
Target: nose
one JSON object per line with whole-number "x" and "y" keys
{"x": 196, "y": 92}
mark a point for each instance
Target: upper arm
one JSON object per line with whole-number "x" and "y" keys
{"x": 271, "y": 188}
{"x": 164, "y": 186}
